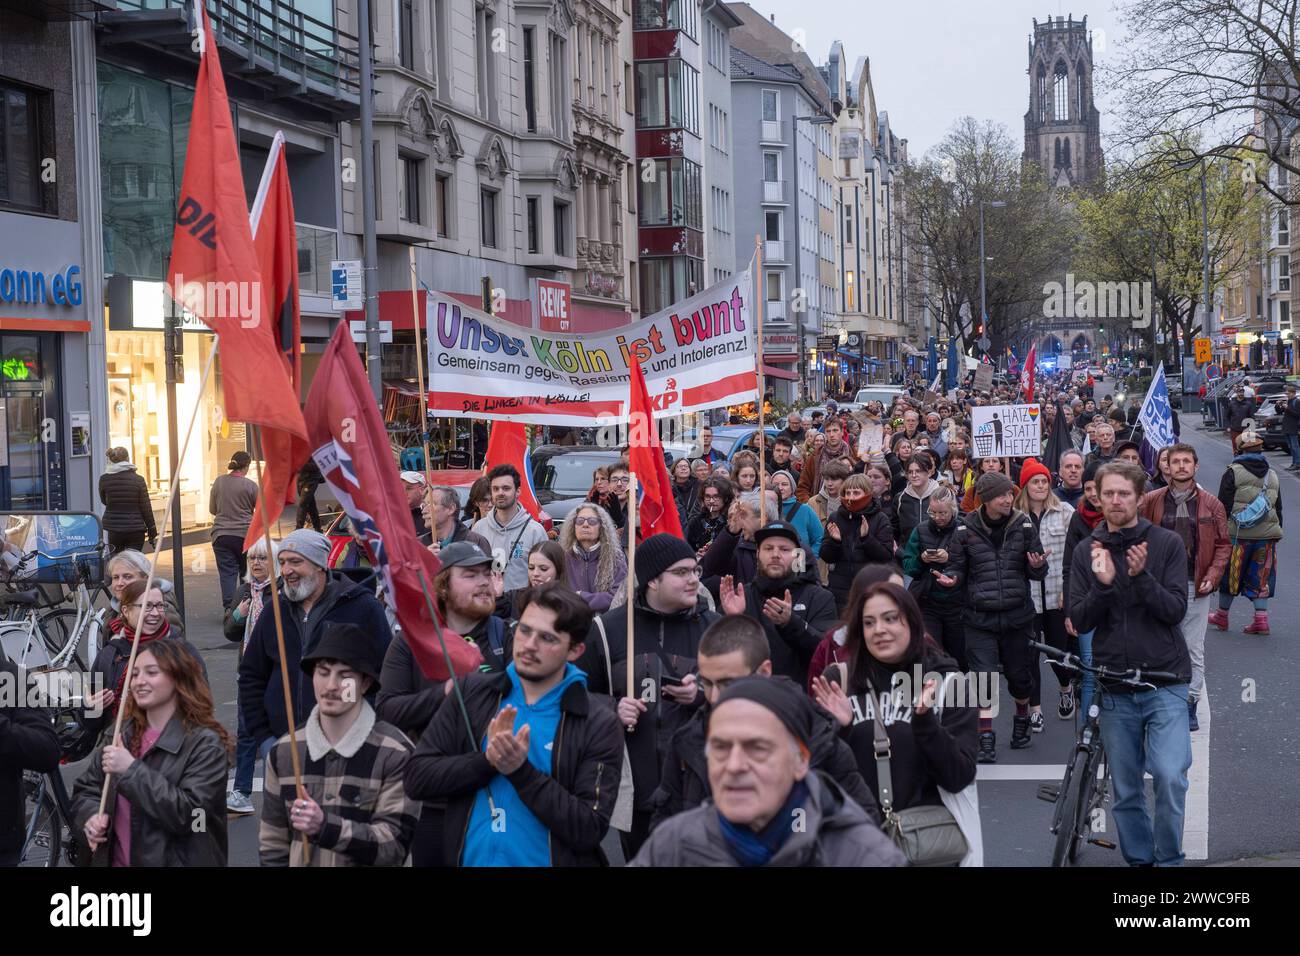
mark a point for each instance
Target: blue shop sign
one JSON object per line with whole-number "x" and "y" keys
{"x": 32, "y": 287}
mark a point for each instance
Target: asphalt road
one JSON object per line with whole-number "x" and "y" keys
{"x": 1243, "y": 800}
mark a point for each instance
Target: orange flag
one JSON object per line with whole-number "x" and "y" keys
{"x": 214, "y": 269}
{"x": 656, "y": 507}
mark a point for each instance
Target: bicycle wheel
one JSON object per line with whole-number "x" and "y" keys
{"x": 46, "y": 841}
{"x": 56, "y": 627}
{"x": 1073, "y": 791}
{"x": 1091, "y": 795}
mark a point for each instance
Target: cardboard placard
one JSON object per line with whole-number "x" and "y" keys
{"x": 1007, "y": 431}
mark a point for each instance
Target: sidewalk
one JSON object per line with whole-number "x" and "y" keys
{"x": 1285, "y": 858}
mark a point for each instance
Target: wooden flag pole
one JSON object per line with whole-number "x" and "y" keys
{"x": 631, "y": 577}
{"x": 174, "y": 487}
{"x": 420, "y": 382}
{"x": 279, "y": 643}
{"x": 762, "y": 387}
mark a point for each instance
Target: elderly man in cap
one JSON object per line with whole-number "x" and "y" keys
{"x": 795, "y": 611}
{"x": 768, "y": 808}
{"x": 995, "y": 553}
{"x": 310, "y": 598}
{"x": 415, "y": 486}
{"x": 355, "y": 811}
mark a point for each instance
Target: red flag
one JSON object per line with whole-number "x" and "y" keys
{"x": 657, "y": 510}
{"x": 275, "y": 240}
{"x": 214, "y": 269}
{"x": 1027, "y": 373}
{"x": 508, "y": 445}
{"x": 350, "y": 444}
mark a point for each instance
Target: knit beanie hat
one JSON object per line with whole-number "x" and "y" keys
{"x": 992, "y": 485}
{"x": 655, "y": 555}
{"x": 1032, "y": 468}
{"x": 781, "y": 696}
{"x": 312, "y": 545}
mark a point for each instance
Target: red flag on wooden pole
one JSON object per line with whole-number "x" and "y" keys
{"x": 656, "y": 505}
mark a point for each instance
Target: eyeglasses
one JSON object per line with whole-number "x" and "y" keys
{"x": 619, "y": 481}
{"x": 150, "y": 608}
{"x": 684, "y": 573}
{"x": 587, "y": 521}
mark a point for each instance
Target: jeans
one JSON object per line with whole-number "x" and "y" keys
{"x": 1193, "y": 627}
{"x": 1293, "y": 442}
{"x": 246, "y": 753}
{"x": 1148, "y": 730}
{"x": 229, "y": 552}
{"x": 1088, "y": 685}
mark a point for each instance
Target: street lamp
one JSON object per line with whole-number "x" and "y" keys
{"x": 984, "y": 311}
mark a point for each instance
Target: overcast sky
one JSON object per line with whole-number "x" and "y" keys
{"x": 933, "y": 61}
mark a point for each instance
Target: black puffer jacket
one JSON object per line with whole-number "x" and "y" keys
{"x": 574, "y": 801}
{"x": 684, "y": 782}
{"x": 664, "y": 644}
{"x": 996, "y": 579}
{"x": 125, "y": 497}
{"x": 853, "y": 550}
{"x": 1137, "y": 620}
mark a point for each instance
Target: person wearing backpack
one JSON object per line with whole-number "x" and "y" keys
{"x": 1251, "y": 495}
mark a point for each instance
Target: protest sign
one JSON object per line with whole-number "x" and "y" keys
{"x": 983, "y": 377}
{"x": 1006, "y": 431}
{"x": 697, "y": 355}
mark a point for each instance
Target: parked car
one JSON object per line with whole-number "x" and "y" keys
{"x": 1269, "y": 420}
{"x": 885, "y": 394}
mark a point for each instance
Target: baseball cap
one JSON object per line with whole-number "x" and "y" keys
{"x": 463, "y": 554}
{"x": 776, "y": 529}
{"x": 412, "y": 477}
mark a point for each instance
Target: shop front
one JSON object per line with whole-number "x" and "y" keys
{"x": 45, "y": 397}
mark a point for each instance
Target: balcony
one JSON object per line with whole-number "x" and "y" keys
{"x": 774, "y": 250}
{"x": 58, "y": 10}
{"x": 770, "y": 131}
{"x": 774, "y": 192}
{"x": 269, "y": 49}
{"x": 774, "y": 310}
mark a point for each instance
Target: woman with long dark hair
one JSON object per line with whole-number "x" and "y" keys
{"x": 832, "y": 649}
{"x": 933, "y": 729}
{"x": 479, "y": 503}
{"x": 166, "y": 796}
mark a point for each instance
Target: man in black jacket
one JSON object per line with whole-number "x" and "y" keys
{"x": 669, "y": 618}
{"x": 1291, "y": 426}
{"x": 1240, "y": 408}
{"x": 1130, "y": 587}
{"x": 27, "y": 742}
{"x": 996, "y": 552}
{"x": 730, "y": 649}
{"x": 537, "y": 784}
{"x": 796, "y": 612}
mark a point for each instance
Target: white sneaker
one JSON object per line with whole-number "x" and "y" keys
{"x": 1036, "y": 721}
{"x": 236, "y": 802}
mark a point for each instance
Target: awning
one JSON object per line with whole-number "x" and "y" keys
{"x": 772, "y": 372}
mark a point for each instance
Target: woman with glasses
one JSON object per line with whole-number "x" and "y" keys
{"x": 148, "y": 618}
{"x": 715, "y": 500}
{"x": 479, "y": 504}
{"x": 686, "y": 491}
{"x": 593, "y": 560}
{"x": 127, "y": 567}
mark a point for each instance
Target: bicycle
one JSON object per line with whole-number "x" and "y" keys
{"x": 1085, "y": 787}
{"x": 48, "y": 836}
{"x": 38, "y": 634}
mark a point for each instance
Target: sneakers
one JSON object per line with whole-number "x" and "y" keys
{"x": 1037, "y": 722}
{"x": 1192, "y": 723}
{"x": 1259, "y": 625}
{"x": 988, "y": 748}
{"x": 1065, "y": 709}
{"x": 237, "y": 802}
{"x": 1219, "y": 619}
{"x": 1020, "y": 738}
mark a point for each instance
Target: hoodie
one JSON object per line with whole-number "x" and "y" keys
{"x": 525, "y": 841}
{"x": 910, "y": 509}
{"x": 512, "y": 541}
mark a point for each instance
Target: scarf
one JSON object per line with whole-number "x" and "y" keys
{"x": 1090, "y": 517}
{"x": 256, "y": 602}
{"x": 1183, "y": 526}
{"x": 757, "y": 849}
{"x": 124, "y": 631}
{"x": 855, "y": 507}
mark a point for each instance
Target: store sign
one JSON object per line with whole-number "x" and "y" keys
{"x": 780, "y": 343}
{"x": 603, "y": 284}
{"x": 149, "y": 304}
{"x": 552, "y": 304}
{"x": 32, "y": 287}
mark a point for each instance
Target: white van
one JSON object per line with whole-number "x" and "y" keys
{"x": 885, "y": 394}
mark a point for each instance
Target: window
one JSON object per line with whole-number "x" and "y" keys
{"x": 774, "y": 287}
{"x": 629, "y": 89}
{"x": 772, "y": 225}
{"x": 848, "y": 226}
{"x": 1283, "y": 227}
{"x": 487, "y": 213}
{"x": 771, "y": 167}
{"x": 441, "y": 56}
{"x": 1282, "y": 270}
{"x": 673, "y": 196}
{"x": 485, "y": 26}
{"x": 532, "y": 225}
{"x": 558, "y": 75}
{"x": 20, "y": 150}
{"x": 1283, "y": 314}
{"x": 530, "y": 81}
{"x": 406, "y": 33}
{"x": 1078, "y": 92}
{"x": 1061, "y": 94}
{"x": 444, "y": 196}
{"x": 1042, "y": 94}
{"x": 770, "y": 105}
{"x": 667, "y": 95}
{"x": 412, "y": 170}
{"x": 848, "y": 292}
{"x": 561, "y": 216}
{"x": 666, "y": 15}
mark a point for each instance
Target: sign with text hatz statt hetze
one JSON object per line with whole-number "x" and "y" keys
{"x": 699, "y": 354}
{"x": 1007, "y": 431}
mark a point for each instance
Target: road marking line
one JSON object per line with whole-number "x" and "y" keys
{"x": 1196, "y": 809}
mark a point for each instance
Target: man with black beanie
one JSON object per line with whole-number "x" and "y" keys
{"x": 669, "y": 617}
{"x": 995, "y": 553}
{"x": 769, "y": 808}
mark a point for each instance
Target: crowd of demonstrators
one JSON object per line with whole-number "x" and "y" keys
{"x": 509, "y": 529}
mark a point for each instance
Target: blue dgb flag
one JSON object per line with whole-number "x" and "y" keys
{"x": 1156, "y": 416}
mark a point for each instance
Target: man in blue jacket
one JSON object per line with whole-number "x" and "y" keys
{"x": 310, "y": 597}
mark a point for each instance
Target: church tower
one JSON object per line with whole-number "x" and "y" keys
{"x": 1063, "y": 126}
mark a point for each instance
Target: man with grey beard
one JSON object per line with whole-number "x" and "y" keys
{"x": 310, "y": 597}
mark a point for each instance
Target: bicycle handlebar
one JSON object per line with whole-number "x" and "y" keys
{"x": 1134, "y": 678}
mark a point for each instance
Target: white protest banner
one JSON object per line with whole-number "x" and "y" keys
{"x": 1006, "y": 431}
{"x": 699, "y": 354}
{"x": 871, "y": 440}
{"x": 983, "y": 377}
